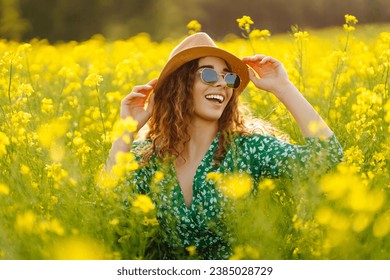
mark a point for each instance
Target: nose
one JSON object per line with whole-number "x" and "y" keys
{"x": 221, "y": 81}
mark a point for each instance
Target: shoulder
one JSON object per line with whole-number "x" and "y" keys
{"x": 140, "y": 144}
{"x": 255, "y": 138}
{"x": 139, "y": 147}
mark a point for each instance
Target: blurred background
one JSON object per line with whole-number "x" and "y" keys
{"x": 64, "y": 20}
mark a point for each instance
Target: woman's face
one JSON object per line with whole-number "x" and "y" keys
{"x": 211, "y": 100}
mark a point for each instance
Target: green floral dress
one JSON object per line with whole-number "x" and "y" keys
{"x": 201, "y": 224}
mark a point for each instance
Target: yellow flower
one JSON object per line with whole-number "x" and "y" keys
{"x": 25, "y": 222}
{"x": 361, "y": 222}
{"x": 125, "y": 162}
{"x": 55, "y": 172}
{"x": 114, "y": 222}
{"x": 191, "y": 250}
{"x": 4, "y": 141}
{"x": 47, "y": 106}
{"x": 244, "y": 23}
{"x": 122, "y": 127}
{"x": 25, "y": 170}
{"x": 152, "y": 221}
{"x": 245, "y": 252}
{"x": 93, "y": 80}
{"x": 382, "y": 225}
{"x": 106, "y": 180}
{"x": 158, "y": 176}
{"x": 301, "y": 35}
{"x": 350, "y": 22}
{"x": 267, "y": 184}
{"x": 259, "y": 34}
{"x": 324, "y": 215}
{"x": 53, "y": 226}
{"x": 25, "y": 89}
{"x": 4, "y": 189}
{"x": 144, "y": 203}
{"x": 235, "y": 185}
{"x": 337, "y": 185}
{"x": 349, "y": 19}
{"x": 213, "y": 176}
{"x": 50, "y": 132}
{"x": 78, "y": 248}
{"x": 194, "y": 26}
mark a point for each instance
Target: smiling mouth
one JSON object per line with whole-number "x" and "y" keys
{"x": 215, "y": 98}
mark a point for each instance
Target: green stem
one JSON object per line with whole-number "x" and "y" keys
{"x": 336, "y": 76}
{"x": 101, "y": 114}
{"x": 9, "y": 86}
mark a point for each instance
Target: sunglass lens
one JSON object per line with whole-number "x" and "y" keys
{"x": 209, "y": 76}
{"x": 232, "y": 80}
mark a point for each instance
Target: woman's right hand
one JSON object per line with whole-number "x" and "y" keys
{"x": 133, "y": 105}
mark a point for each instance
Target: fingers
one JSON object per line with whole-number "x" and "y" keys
{"x": 259, "y": 59}
{"x": 141, "y": 91}
{"x": 146, "y": 88}
{"x": 252, "y": 58}
{"x": 153, "y": 82}
{"x": 150, "y": 105}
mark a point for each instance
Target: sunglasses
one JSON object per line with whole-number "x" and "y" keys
{"x": 209, "y": 76}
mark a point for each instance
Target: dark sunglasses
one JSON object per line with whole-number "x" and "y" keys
{"x": 209, "y": 76}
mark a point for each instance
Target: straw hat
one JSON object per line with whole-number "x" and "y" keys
{"x": 199, "y": 45}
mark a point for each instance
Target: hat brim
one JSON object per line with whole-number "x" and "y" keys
{"x": 236, "y": 64}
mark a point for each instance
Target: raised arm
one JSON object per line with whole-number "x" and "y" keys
{"x": 269, "y": 74}
{"x": 133, "y": 105}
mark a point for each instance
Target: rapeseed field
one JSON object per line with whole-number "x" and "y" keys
{"x": 59, "y": 111}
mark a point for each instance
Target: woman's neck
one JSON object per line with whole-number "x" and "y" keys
{"x": 201, "y": 137}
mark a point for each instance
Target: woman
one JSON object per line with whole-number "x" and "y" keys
{"x": 195, "y": 128}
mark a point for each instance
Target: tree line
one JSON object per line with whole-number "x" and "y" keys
{"x": 118, "y": 19}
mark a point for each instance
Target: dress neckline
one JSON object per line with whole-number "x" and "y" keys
{"x": 206, "y": 158}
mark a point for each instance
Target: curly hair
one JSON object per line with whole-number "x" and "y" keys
{"x": 173, "y": 111}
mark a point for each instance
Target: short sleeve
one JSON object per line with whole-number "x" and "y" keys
{"x": 142, "y": 176}
{"x": 273, "y": 158}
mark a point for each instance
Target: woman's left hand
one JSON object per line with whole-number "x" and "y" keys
{"x": 266, "y": 72}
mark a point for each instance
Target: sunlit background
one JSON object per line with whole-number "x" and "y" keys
{"x": 61, "y": 86}
{"x": 119, "y": 19}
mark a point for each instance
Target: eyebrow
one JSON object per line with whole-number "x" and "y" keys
{"x": 211, "y": 66}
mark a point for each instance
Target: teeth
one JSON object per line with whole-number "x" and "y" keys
{"x": 216, "y": 97}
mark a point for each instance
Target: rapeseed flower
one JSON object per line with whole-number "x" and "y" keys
{"x": 158, "y": 176}
{"x": 4, "y": 141}
{"x": 350, "y": 22}
{"x": 143, "y": 203}
{"x": 259, "y": 34}
{"x": 25, "y": 170}
{"x": 267, "y": 184}
{"x": 122, "y": 127}
{"x": 150, "y": 221}
{"x": 361, "y": 221}
{"x": 25, "y": 89}
{"x": 191, "y": 250}
{"x": 47, "y": 106}
{"x": 382, "y": 225}
{"x": 4, "y": 189}
{"x": 245, "y": 23}
{"x": 25, "y": 222}
{"x": 244, "y": 252}
{"x": 106, "y": 179}
{"x": 93, "y": 80}
{"x": 193, "y": 27}
{"x": 49, "y": 133}
{"x": 56, "y": 173}
{"x": 78, "y": 248}
{"x": 301, "y": 35}
{"x": 235, "y": 185}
